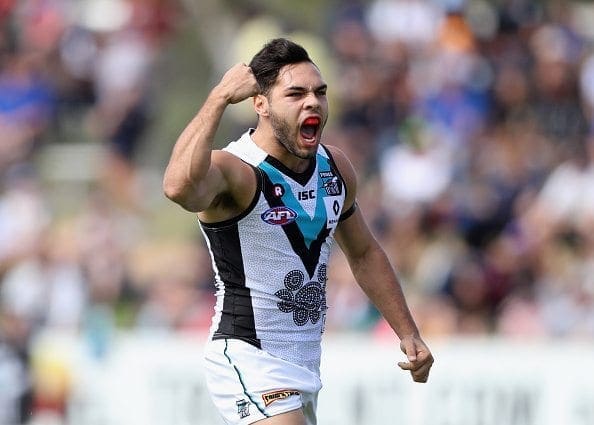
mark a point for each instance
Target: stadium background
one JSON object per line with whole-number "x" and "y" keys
{"x": 470, "y": 125}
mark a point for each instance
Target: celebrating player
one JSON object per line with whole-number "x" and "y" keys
{"x": 270, "y": 206}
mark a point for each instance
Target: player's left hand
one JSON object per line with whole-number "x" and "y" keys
{"x": 419, "y": 358}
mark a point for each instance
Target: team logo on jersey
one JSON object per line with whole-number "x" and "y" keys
{"x": 307, "y": 301}
{"x": 330, "y": 183}
{"x": 279, "y": 216}
{"x": 243, "y": 408}
{"x": 273, "y": 396}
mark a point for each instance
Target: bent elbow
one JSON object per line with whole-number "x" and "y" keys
{"x": 183, "y": 195}
{"x": 173, "y": 190}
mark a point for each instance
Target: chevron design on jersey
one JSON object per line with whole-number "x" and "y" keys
{"x": 309, "y": 226}
{"x": 306, "y": 234}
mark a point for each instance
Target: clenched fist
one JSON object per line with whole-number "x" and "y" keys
{"x": 238, "y": 84}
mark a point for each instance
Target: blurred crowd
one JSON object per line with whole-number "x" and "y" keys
{"x": 472, "y": 129}
{"x": 469, "y": 123}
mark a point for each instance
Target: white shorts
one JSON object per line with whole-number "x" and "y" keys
{"x": 247, "y": 384}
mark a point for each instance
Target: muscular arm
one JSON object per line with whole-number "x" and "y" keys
{"x": 374, "y": 274}
{"x": 196, "y": 174}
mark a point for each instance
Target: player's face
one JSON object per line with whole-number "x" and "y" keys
{"x": 298, "y": 108}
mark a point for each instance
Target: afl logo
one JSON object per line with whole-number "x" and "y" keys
{"x": 279, "y": 216}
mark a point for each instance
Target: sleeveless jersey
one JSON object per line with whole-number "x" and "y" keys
{"x": 270, "y": 261}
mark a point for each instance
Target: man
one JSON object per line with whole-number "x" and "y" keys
{"x": 270, "y": 205}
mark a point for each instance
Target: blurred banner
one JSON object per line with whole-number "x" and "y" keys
{"x": 158, "y": 380}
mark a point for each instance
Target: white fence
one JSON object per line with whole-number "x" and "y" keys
{"x": 149, "y": 380}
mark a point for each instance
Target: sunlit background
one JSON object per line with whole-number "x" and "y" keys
{"x": 469, "y": 124}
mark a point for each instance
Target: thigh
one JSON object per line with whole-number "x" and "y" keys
{"x": 294, "y": 417}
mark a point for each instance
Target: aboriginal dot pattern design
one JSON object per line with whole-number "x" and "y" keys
{"x": 306, "y": 301}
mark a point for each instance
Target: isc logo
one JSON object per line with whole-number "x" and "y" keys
{"x": 279, "y": 215}
{"x": 306, "y": 194}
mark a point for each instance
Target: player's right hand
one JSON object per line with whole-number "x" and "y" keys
{"x": 238, "y": 84}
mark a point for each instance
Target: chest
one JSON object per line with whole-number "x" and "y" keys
{"x": 312, "y": 207}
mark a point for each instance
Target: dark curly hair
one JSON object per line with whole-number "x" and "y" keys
{"x": 275, "y": 54}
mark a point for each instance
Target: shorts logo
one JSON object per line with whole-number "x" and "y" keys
{"x": 279, "y": 216}
{"x": 273, "y": 396}
{"x": 243, "y": 408}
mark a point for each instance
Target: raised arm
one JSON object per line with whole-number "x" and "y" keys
{"x": 375, "y": 275}
{"x": 196, "y": 175}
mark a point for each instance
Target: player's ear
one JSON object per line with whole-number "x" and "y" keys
{"x": 261, "y": 105}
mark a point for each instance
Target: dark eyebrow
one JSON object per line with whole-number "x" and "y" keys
{"x": 303, "y": 89}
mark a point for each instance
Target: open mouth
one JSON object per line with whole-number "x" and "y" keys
{"x": 309, "y": 129}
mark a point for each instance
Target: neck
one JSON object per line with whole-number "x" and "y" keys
{"x": 264, "y": 138}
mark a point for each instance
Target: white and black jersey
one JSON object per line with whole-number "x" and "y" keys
{"x": 270, "y": 261}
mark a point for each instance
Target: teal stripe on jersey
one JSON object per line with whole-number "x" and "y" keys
{"x": 309, "y": 227}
